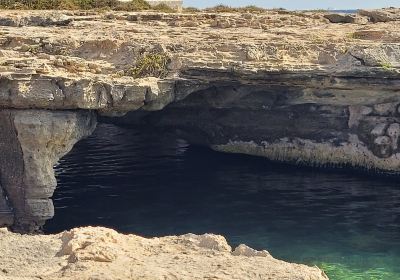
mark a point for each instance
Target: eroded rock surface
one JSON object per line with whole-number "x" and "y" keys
{"x": 317, "y": 121}
{"x": 32, "y": 142}
{"x": 100, "y": 253}
{"x": 384, "y": 15}
{"x": 302, "y": 87}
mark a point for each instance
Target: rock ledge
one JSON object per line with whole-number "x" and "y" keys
{"x": 101, "y": 253}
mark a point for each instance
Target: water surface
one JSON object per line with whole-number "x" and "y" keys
{"x": 151, "y": 184}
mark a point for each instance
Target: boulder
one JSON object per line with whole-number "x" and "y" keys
{"x": 383, "y": 15}
{"x": 346, "y": 18}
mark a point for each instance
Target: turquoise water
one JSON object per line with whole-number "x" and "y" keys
{"x": 152, "y": 184}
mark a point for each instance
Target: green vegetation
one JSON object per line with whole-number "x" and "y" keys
{"x": 229, "y": 9}
{"x": 134, "y": 5}
{"x": 386, "y": 65}
{"x": 164, "y": 8}
{"x": 150, "y": 65}
{"x": 191, "y": 10}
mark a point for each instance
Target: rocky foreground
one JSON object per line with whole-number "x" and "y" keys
{"x": 103, "y": 254}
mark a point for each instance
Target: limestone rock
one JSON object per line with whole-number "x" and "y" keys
{"x": 207, "y": 241}
{"x": 40, "y": 138}
{"x": 378, "y": 56}
{"x": 54, "y": 19}
{"x": 100, "y": 253}
{"x": 244, "y": 250}
{"x": 289, "y": 86}
{"x": 84, "y": 244}
{"x": 383, "y": 15}
{"x": 370, "y": 34}
{"x": 346, "y": 18}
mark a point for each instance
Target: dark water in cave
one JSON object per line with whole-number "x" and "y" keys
{"x": 151, "y": 184}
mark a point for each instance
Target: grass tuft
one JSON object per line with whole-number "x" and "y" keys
{"x": 228, "y": 9}
{"x": 163, "y": 8}
{"x": 151, "y": 65}
{"x": 386, "y": 65}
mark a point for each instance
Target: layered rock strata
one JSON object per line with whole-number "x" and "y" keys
{"x": 317, "y": 120}
{"x": 303, "y": 87}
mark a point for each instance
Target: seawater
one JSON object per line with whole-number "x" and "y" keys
{"x": 143, "y": 182}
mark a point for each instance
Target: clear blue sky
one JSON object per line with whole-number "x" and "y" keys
{"x": 298, "y": 4}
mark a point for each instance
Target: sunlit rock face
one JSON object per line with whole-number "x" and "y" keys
{"x": 94, "y": 252}
{"x": 289, "y": 86}
{"x": 32, "y": 142}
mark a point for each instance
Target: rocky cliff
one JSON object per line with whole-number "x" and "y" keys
{"x": 303, "y": 87}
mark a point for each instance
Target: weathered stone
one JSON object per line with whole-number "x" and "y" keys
{"x": 380, "y": 129}
{"x": 383, "y": 15}
{"x": 288, "y": 86}
{"x": 346, "y": 18}
{"x": 206, "y": 241}
{"x": 33, "y": 141}
{"x": 370, "y": 34}
{"x": 393, "y": 132}
{"x": 290, "y": 124}
{"x": 385, "y": 56}
{"x": 383, "y": 146}
{"x": 6, "y": 214}
{"x": 104, "y": 254}
{"x": 55, "y": 19}
{"x": 244, "y": 250}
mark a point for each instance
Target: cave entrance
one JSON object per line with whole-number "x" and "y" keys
{"x": 154, "y": 184}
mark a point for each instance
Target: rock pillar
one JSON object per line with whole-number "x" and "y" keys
{"x": 31, "y": 143}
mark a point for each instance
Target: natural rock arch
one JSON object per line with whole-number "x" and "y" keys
{"x": 347, "y": 122}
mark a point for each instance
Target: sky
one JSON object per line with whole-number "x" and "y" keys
{"x": 298, "y": 4}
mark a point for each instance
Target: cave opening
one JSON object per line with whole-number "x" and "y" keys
{"x": 143, "y": 181}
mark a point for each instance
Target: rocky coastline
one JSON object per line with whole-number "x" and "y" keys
{"x": 310, "y": 88}
{"x": 303, "y": 87}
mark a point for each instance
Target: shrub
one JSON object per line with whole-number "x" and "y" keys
{"x": 227, "y": 9}
{"x": 163, "y": 8}
{"x": 221, "y": 9}
{"x": 151, "y": 65}
{"x": 252, "y": 9}
{"x": 134, "y": 5}
{"x": 191, "y": 10}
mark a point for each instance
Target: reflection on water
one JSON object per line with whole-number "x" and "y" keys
{"x": 152, "y": 185}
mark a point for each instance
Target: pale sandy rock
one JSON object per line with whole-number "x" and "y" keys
{"x": 100, "y": 253}
{"x": 32, "y": 142}
{"x": 383, "y": 15}
{"x": 207, "y": 241}
{"x": 244, "y": 250}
